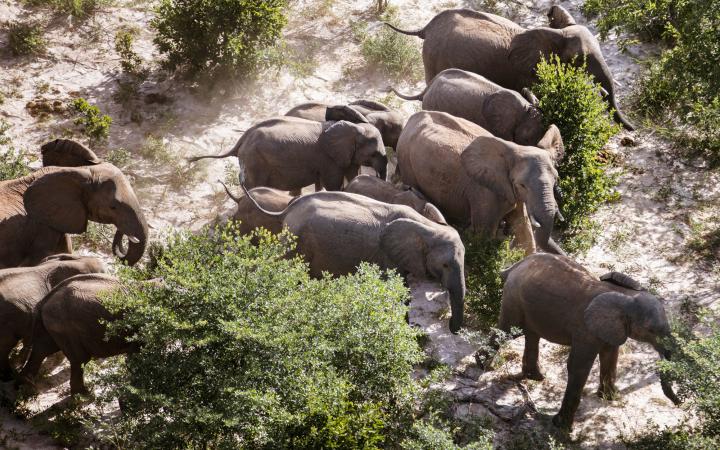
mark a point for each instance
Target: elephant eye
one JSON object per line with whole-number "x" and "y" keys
{"x": 446, "y": 266}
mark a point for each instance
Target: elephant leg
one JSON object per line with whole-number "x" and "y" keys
{"x": 553, "y": 247}
{"x": 530, "y": 367}
{"x": 332, "y": 179}
{"x": 351, "y": 172}
{"x": 77, "y": 381}
{"x": 7, "y": 343}
{"x": 579, "y": 365}
{"x": 521, "y": 227}
{"x": 46, "y": 242}
{"x": 42, "y": 347}
{"x": 608, "y": 374}
{"x": 318, "y": 186}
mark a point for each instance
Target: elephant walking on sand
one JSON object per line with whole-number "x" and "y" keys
{"x": 554, "y": 298}
{"x": 506, "y": 53}
{"x": 72, "y": 319}
{"x": 251, "y": 218}
{"x": 290, "y": 153}
{"x": 22, "y": 288}
{"x": 336, "y": 231}
{"x": 39, "y": 210}
{"x": 388, "y": 122}
{"x": 503, "y": 112}
{"x": 474, "y": 176}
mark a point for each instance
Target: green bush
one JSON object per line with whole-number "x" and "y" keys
{"x": 77, "y": 8}
{"x": 242, "y": 349}
{"x": 95, "y": 124}
{"x": 394, "y": 54}
{"x": 130, "y": 61}
{"x": 25, "y": 38}
{"x": 13, "y": 163}
{"x": 223, "y": 37}
{"x": 569, "y": 99}
{"x": 682, "y": 86}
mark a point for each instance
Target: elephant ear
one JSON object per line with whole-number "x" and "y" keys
{"x": 55, "y": 199}
{"x": 526, "y": 48}
{"x": 338, "y": 141}
{"x": 501, "y": 113}
{"x": 488, "y": 161}
{"x": 620, "y": 279}
{"x": 606, "y": 318}
{"x": 403, "y": 242}
{"x": 67, "y": 153}
{"x": 553, "y": 143}
{"x": 369, "y": 104}
{"x": 431, "y": 212}
{"x": 345, "y": 112}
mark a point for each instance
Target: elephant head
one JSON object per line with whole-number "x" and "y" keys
{"x": 559, "y": 17}
{"x": 519, "y": 174}
{"x": 429, "y": 251}
{"x": 613, "y": 317}
{"x": 67, "y": 153}
{"x": 358, "y": 144}
{"x": 389, "y": 123}
{"x": 66, "y": 198}
{"x": 573, "y": 44}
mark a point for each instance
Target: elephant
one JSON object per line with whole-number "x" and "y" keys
{"x": 72, "y": 319}
{"x": 22, "y": 288}
{"x": 336, "y": 231}
{"x": 249, "y": 216}
{"x": 290, "y": 153}
{"x": 387, "y": 121}
{"x": 474, "y": 176}
{"x": 559, "y": 17}
{"x": 503, "y": 112}
{"x": 39, "y": 210}
{"x": 506, "y": 53}
{"x": 67, "y": 153}
{"x": 384, "y": 191}
{"x": 554, "y": 298}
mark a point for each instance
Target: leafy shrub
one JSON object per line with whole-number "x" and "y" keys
{"x": 682, "y": 85}
{"x": 130, "y": 61}
{"x": 242, "y": 349}
{"x": 13, "y": 162}
{"x": 119, "y": 157}
{"x": 484, "y": 259}
{"x": 25, "y": 38}
{"x": 218, "y": 37}
{"x": 569, "y": 99}
{"x": 77, "y": 8}
{"x": 95, "y": 125}
{"x": 394, "y": 54}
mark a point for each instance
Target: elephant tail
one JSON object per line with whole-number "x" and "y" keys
{"x": 252, "y": 199}
{"x": 419, "y": 33}
{"x": 230, "y": 194}
{"x": 410, "y": 97}
{"x": 231, "y": 152}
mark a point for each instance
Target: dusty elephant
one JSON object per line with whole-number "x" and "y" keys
{"x": 71, "y": 319}
{"x": 39, "y": 210}
{"x": 506, "y": 53}
{"x": 21, "y": 289}
{"x": 474, "y": 176}
{"x": 290, "y": 153}
{"x": 251, "y": 218}
{"x": 384, "y": 191}
{"x": 503, "y": 112}
{"x": 554, "y": 298}
{"x": 67, "y": 153}
{"x": 387, "y": 121}
{"x": 337, "y": 231}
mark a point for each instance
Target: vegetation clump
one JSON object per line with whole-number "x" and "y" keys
{"x": 241, "y": 348}
{"x": 25, "y": 38}
{"x": 79, "y": 9}
{"x": 94, "y": 123}
{"x": 394, "y": 54}
{"x": 13, "y": 162}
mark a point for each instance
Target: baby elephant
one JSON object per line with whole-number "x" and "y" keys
{"x": 21, "y": 290}
{"x": 72, "y": 318}
{"x": 554, "y": 298}
{"x": 385, "y": 191}
{"x": 251, "y": 218}
{"x": 503, "y": 112}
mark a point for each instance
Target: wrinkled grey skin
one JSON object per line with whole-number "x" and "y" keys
{"x": 559, "y": 17}
{"x": 506, "y": 53}
{"x": 387, "y": 121}
{"x": 473, "y": 176}
{"x": 554, "y": 298}
{"x": 385, "y": 191}
{"x": 289, "y": 153}
{"x": 337, "y": 231}
{"x": 71, "y": 319}
{"x": 251, "y": 218}
{"x": 503, "y": 112}
{"x": 21, "y": 289}
{"x": 38, "y": 211}
{"x": 67, "y": 153}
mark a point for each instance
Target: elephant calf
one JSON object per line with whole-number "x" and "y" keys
{"x": 503, "y": 112}
{"x": 337, "y": 231}
{"x": 71, "y": 318}
{"x": 251, "y": 218}
{"x": 554, "y": 298}
{"x": 290, "y": 153}
{"x": 21, "y": 289}
{"x": 384, "y": 191}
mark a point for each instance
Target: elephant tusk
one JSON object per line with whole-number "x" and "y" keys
{"x": 534, "y": 222}
{"x": 560, "y": 216}
{"x": 133, "y": 239}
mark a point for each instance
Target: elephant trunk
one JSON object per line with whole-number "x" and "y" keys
{"x": 542, "y": 211}
{"x": 455, "y": 284}
{"x": 665, "y": 383}
{"x": 136, "y": 230}
{"x": 380, "y": 166}
{"x": 600, "y": 70}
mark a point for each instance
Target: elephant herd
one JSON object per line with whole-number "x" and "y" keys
{"x": 476, "y": 156}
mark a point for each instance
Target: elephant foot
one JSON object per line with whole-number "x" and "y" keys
{"x": 562, "y": 423}
{"x": 610, "y": 393}
{"x": 534, "y": 374}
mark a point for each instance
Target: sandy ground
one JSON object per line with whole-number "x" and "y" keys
{"x": 645, "y": 234}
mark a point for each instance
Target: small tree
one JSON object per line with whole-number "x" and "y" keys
{"x": 219, "y": 37}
